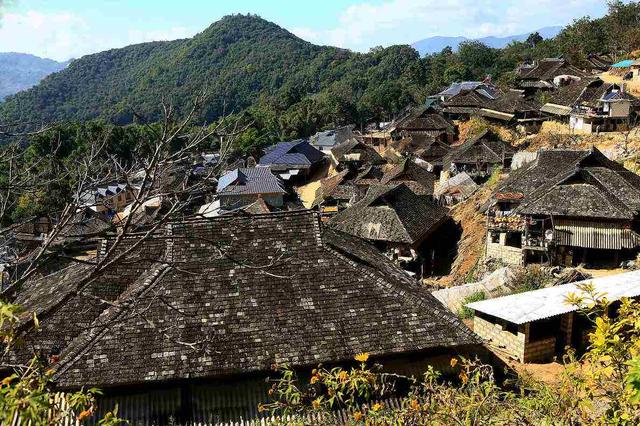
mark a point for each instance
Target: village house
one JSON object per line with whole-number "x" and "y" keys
{"x": 427, "y": 151}
{"x": 353, "y": 155}
{"x": 547, "y": 75}
{"x": 406, "y": 171}
{"x": 424, "y": 121}
{"x": 565, "y": 208}
{"x": 292, "y": 161}
{"x": 514, "y": 109}
{"x": 189, "y": 325}
{"x": 482, "y": 87}
{"x": 107, "y": 199}
{"x": 455, "y": 189}
{"x": 402, "y": 224}
{"x": 602, "y": 107}
{"x": 467, "y": 102}
{"x": 537, "y": 326}
{"x": 245, "y": 186}
{"x": 334, "y": 194}
{"x": 478, "y": 157}
{"x": 327, "y": 140}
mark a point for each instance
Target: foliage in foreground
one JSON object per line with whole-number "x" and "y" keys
{"x": 28, "y": 393}
{"x": 600, "y": 388}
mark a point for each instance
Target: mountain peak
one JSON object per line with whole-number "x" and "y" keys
{"x": 435, "y": 44}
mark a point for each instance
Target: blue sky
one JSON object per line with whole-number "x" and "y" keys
{"x": 61, "y": 29}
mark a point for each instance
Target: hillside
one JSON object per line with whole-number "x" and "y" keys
{"x": 437, "y": 43}
{"x": 20, "y": 71}
{"x": 236, "y": 59}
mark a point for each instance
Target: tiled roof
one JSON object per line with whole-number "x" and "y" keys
{"x": 549, "y": 68}
{"x": 577, "y": 184}
{"x": 233, "y": 295}
{"x": 330, "y": 138}
{"x": 298, "y": 153}
{"x": 363, "y": 152}
{"x": 486, "y": 147}
{"x": 392, "y": 214}
{"x": 467, "y": 86}
{"x": 249, "y": 181}
{"x": 424, "y": 119}
{"x": 418, "y": 179}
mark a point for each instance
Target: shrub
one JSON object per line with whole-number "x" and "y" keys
{"x": 533, "y": 277}
{"x": 466, "y": 313}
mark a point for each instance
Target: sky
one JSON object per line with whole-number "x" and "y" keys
{"x": 64, "y": 29}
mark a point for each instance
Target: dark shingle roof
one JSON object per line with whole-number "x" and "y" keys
{"x": 298, "y": 153}
{"x": 366, "y": 153}
{"x": 574, "y": 183}
{"x": 549, "y": 68}
{"x": 391, "y": 213}
{"x": 250, "y": 181}
{"x": 486, "y": 148}
{"x": 330, "y": 138}
{"x": 245, "y": 292}
{"x": 424, "y": 119}
{"x": 418, "y": 179}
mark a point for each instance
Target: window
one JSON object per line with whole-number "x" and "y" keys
{"x": 514, "y": 239}
{"x": 495, "y": 237}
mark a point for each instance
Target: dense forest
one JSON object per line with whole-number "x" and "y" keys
{"x": 288, "y": 87}
{"x": 273, "y": 83}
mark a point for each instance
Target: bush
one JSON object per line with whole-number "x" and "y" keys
{"x": 466, "y": 313}
{"x": 533, "y": 277}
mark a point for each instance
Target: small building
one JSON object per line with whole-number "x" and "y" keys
{"x": 325, "y": 141}
{"x": 479, "y": 155}
{"x": 536, "y": 326}
{"x": 547, "y": 75}
{"x": 402, "y": 224}
{"x": 188, "y": 328}
{"x": 601, "y": 107}
{"x": 353, "y": 155}
{"x": 424, "y": 121}
{"x": 417, "y": 178}
{"x": 108, "y": 199}
{"x": 514, "y": 108}
{"x": 455, "y": 190}
{"x": 292, "y": 161}
{"x": 467, "y": 103}
{"x": 334, "y": 194}
{"x": 428, "y": 151}
{"x": 244, "y": 186}
{"x": 567, "y": 207}
{"x": 482, "y": 87}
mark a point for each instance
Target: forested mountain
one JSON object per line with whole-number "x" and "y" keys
{"x": 284, "y": 87}
{"x": 20, "y": 71}
{"x": 236, "y": 59}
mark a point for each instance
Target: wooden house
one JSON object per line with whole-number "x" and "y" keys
{"x": 567, "y": 207}
{"x": 294, "y": 162}
{"x": 479, "y": 155}
{"x": 547, "y": 75}
{"x": 188, "y": 327}
{"x": 245, "y": 186}
{"x": 402, "y": 224}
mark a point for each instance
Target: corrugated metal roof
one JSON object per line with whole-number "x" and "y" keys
{"x": 556, "y": 109}
{"x": 623, "y": 64}
{"x": 549, "y": 302}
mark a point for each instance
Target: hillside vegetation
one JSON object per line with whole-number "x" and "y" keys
{"x": 286, "y": 87}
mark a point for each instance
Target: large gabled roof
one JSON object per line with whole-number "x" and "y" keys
{"x": 424, "y": 119}
{"x": 574, "y": 183}
{"x": 549, "y": 68}
{"x": 406, "y": 171}
{"x": 391, "y": 213}
{"x": 234, "y": 295}
{"x": 333, "y": 137}
{"x": 356, "y": 149}
{"x": 485, "y": 148}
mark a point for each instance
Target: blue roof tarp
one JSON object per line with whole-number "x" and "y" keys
{"x": 623, "y": 64}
